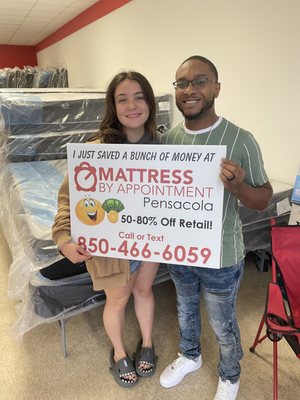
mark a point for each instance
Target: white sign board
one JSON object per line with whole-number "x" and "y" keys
{"x": 148, "y": 202}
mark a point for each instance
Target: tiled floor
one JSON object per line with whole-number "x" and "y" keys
{"x": 35, "y": 369}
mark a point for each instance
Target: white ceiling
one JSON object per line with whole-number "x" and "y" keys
{"x": 27, "y": 22}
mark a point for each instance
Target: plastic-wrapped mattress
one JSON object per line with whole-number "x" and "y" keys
{"x": 163, "y": 112}
{"x": 37, "y": 112}
{"x": 30, "y": 201}
{"x": 49, "y": 300}
{"x": 57, "y": 298}
{"x": 43, "y": 146}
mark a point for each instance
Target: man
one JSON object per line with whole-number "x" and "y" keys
{"x": 245, "y": 180}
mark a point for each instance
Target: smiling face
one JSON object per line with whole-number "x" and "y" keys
{"x": 132, "y": 109}
{"x": 197, "y": 104}
{"x": 89, "y": 211}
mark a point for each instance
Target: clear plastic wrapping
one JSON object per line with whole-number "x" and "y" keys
{"x": 33, "y": 113}
{"x": 33, "y": 77}
{"x": 35, "y": 126}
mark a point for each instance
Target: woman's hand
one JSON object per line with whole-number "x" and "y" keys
{"x": 74, "y": 252}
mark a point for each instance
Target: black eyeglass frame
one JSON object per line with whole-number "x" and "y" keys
{"x": 187, "y": 82}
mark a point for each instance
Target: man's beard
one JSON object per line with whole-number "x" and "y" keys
{"x": 202, "y": 113}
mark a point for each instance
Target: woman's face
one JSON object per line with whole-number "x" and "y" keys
{"x": 132, "y": 109}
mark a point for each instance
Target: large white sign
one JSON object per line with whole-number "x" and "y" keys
{"x": 147, "y": 202}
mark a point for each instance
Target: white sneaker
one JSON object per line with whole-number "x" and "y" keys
{"x": 227, "y": 390}
{"x": 177, "y": 370}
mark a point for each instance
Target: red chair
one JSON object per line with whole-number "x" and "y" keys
{"x": 282, "y": 312}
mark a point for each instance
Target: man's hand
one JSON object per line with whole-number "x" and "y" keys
{"x": 232, "y": 175}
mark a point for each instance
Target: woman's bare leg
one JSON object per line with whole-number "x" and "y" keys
{"x": 144, "y": 301}
{"x": 113, "y": 318}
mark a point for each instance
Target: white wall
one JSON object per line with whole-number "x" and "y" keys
{"x": 254, "y": 44}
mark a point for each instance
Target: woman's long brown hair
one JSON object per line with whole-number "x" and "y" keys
{"x": 110, "y": 127}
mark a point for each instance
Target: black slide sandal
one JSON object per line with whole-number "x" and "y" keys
{"x": 121, "y": 369}
{"x": 144, "y": 355}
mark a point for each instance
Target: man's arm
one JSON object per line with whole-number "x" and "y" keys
{"x": 232, "y": 176}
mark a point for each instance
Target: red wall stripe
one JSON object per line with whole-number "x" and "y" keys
{"x": 17, "y": 56}
{"x": 96, "y": 11}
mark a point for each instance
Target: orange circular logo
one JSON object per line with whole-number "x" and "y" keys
{"x": 89, "y": 211}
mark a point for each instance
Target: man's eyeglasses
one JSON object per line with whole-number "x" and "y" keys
{"x": 198, "y": 83}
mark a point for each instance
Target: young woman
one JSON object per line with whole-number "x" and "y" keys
{"x": 130, "y": 117}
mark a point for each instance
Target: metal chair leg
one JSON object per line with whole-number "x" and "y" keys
{"x": 62, "y": 324}
{"x": 275, "y": 370}
{"x": 257, "y": 339}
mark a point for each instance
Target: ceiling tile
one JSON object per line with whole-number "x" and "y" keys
{"x": 34, "y": 20}
{"x": 18, "y": 5}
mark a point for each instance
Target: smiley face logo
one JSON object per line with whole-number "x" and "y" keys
{"x": 89, "y": 211}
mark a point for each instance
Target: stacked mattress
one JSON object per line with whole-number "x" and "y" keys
{"x": 40, "y": 124}
{"x": 35, "y": 126}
